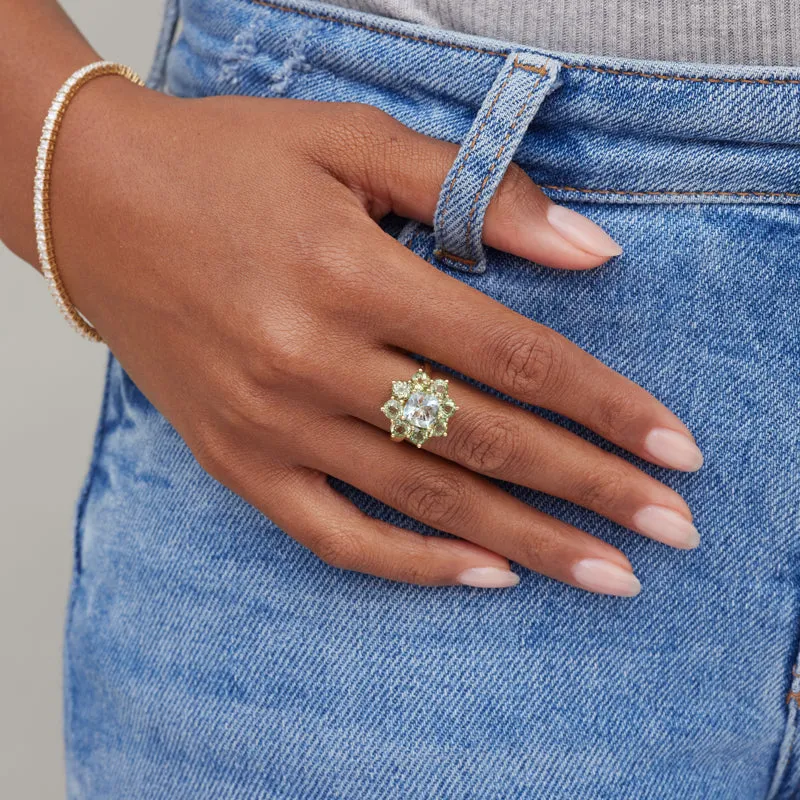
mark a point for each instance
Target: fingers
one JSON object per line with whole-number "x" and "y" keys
{"x": 471, "y": 333}
{"x": 455, "y": 500}
{"x": 395, "y": 168}
{"x": 502, "y": 441}
{"x": 304, "y": 505}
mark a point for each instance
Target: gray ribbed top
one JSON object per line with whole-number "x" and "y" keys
{"x": 711, "y": 31}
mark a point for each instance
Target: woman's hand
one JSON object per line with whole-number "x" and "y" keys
{"x": 227, "y": 249}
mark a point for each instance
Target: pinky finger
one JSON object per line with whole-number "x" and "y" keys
{"x": 312, "y": 512}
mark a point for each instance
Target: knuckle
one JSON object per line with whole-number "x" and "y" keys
{"x": 517, "y": 194}
{"x": 347, "y": 261}
{"x": 487, "y": 443}
{"x": 363, "y": 118}
{"x": 602, "y": 490}
{"x": 617, "y": 415}
{"x": 541, "y": 549}
{"x": 360, "y": 129}
{"x": 338, "y": 548}
{"x": 530, "y": 364}
{"x": 355, "y": 275}
{"x": 247, "y": 407}
{"x": 415, "y": 571}
{"x": 342, "y": 253}
{"x": 433, "y": 497}
{"x": 282, "y": 355}
{"x": 373, "y": 145}
{"x": 329, "y": 242}
{"x": 311, "y": 246}
{"x": 414, "y": 565}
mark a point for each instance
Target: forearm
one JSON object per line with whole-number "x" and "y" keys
{"x": 39, "y": 49}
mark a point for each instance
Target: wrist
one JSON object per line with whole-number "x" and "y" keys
{"x": 99, "y": 155}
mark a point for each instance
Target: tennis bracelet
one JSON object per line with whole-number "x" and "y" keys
{"x": 41, "y": 187}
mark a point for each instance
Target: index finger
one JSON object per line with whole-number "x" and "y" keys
{"x": 468, "y": 331}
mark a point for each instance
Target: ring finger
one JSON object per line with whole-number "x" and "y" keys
{"x": 503, "y": 441}
{"x": 455, "y": 500}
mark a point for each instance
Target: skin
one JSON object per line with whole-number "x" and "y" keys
{"x": 227, "y": 250}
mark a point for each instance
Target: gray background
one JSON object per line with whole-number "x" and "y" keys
{"x": 50, "y": 387}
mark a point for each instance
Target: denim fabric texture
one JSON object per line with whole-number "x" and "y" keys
{"x": 208, "y": 655}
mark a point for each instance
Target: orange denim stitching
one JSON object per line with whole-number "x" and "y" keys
{"x": 529, "y": 68}
{"x": 501, "y": 54}
{"x": 439, "y": 253}
{"x": 490, "y": 169}
{"x": 445, "y": 254}
{"x": 687, "y": 78}
{"x": 671, "y": 192}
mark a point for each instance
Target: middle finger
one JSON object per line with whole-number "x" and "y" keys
{"x": 477, "y": 336}
{"x": 500, "y": 440}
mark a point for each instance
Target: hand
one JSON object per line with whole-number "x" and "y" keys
{"x": 236, "y": 269}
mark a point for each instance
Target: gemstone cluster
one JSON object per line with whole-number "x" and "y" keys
{"x": 419, "y": 408}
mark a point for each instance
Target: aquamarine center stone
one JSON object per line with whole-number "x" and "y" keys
{"x": 421, "y": 409}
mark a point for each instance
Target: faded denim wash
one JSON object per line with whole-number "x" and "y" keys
{"x": 208, "y": 655}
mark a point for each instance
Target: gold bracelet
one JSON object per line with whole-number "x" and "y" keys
{"x": 41, "y": 187}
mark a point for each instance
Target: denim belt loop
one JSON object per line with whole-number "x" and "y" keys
{"x": 158, "y": 71}
{"x": 516, "y": 95}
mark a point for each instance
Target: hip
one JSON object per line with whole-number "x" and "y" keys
{"x": 209, "y": 654}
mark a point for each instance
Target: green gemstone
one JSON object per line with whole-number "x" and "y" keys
{"x": 401, "y": 389}
{"x": 399, "y": 429}
{"x": 417, "y": 436}
{"x": 391, "y": 409}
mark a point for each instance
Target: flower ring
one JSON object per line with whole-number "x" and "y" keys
{"x": 419, "y": 408}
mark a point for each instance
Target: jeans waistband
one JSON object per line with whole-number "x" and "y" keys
{"x": 610, "y": 130}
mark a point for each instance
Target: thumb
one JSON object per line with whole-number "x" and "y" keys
{"x": 403, "y": 171}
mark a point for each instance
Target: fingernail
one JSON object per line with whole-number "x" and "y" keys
{"x": 667, "y": 526}
{"x": 488, "y": 577}
{"x": 582, "y": 232}
{"x": 605, "y": 577}
{"x": 674, "y": 449}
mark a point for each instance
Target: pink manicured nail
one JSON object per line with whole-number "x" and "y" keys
{"x": 667, "y": 526}
{"x": 605, "y": 577}
{"x": 581, "y": 232}
{"x": 673, "y": 449}
{"x": 488, "y": 577}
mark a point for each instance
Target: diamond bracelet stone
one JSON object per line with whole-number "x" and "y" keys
{"x": 41, "y": 187}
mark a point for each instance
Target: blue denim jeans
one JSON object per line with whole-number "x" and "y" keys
{"x": 208, "y": 655}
